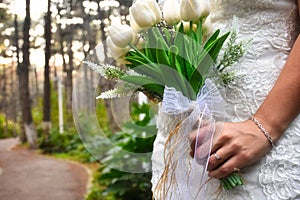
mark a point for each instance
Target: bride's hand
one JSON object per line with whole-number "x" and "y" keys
{"x": 239, "y": 145}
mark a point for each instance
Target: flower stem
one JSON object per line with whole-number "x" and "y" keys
{"x": 231, "y": 181}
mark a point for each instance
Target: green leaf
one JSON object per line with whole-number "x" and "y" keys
{"x": 146, "y": 82}
{"x": 190, "y": 53}
{"x": 179, "y": 44}
{"x": 152, "y": 68}
{"x": 167, "y": 36}
{"x": 145, "y": 69}
{"x": 172, "y": 56}
{"x": 136, "y": 60}
{"x": 207, "y": 58}
{"x": 113, "y": 173}
{"x": 199, "y": 32}
{"x": 159, "y": 36}
{"x": 181, "y": 28}
{"x": 161, "y": 54}
{"x": 214, "y": 52}
{"x": 148, "y": 54}
{"x": 151, "y": 40}
{"x": 212, "y": 38}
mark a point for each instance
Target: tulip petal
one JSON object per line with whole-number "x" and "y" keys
{"x": 121, "y": 34}
{"x": 142, "y": 15}
{"x": 171, "y": 12}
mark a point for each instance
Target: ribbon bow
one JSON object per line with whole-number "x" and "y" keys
{"x": 206, "y": 108}
{"x": 208, "y": 99}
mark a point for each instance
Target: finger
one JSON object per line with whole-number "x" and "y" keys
{"x": 203, "y": 145}
{"x": 219, "y": 141}
{"x": 198, "y": 136}
{"x": 219, "y": 157}
{"x": 202, "y": 153}
{"x": 225, "y": 169}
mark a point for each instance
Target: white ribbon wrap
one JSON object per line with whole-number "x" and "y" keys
{"x": 185, "y": 177}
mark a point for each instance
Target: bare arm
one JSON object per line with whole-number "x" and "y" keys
{"x": 284, "y": 99}
{"x": 279, "y": 109}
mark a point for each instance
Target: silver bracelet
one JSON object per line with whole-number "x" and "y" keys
{"x": 263, "y": 130}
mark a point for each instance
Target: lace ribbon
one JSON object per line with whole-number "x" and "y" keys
{"x": 184, "y": 173}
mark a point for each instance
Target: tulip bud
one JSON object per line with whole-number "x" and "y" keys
{"x": 205, "y": 8}
{"x": 121, "y": 35}
{"x": 153, "y": 5}
{"x": 207, "y": 27}
{"x": 171, "y": 12}
{"x": 193, "y": 10}
{"x": 144, "y": 14}
{"x": 133, "y": 24}
{"x": 114, "y": 51}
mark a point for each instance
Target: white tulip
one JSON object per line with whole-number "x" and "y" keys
{"x": 144, "y": 14}
{"x": 121, "y": 35}
{"x": 115, "y": 51}
{"x": 187, "y": 26}
{"x": 155, "y": 8}
{"x": 193, "y": 10}
{"x": 207, "y": 27}
{"x": 205, "y": 8}
{"x": 171, "y": 12}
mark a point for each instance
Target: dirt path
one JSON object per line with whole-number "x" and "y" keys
{"x": 25, "y": 175}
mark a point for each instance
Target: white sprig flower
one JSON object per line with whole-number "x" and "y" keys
{"x": 107, "y": 71}
{"x": 122, "y": 90}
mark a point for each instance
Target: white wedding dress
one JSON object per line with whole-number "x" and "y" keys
{"x": 273, "y": 26}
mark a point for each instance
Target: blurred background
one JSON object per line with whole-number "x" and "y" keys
{"x": 42, "y": 46}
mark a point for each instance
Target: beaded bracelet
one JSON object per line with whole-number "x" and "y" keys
{"x": 263, "y": 130}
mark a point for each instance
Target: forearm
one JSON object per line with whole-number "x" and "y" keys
{"x": 282, "y": 105}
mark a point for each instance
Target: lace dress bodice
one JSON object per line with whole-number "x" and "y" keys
{"x": 272, "y": 26}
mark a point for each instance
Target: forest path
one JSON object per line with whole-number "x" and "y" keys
{"x": 26, "y": 175}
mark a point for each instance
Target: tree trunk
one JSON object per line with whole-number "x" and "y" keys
{"x": 4, "y": 99}
{"x": 13, "y": 99}
{"x": 87, "y": 40}
{"x": 47, "y": 87}
{"x": 16, "y": 44}
{"x": 69, "y": 79}
{"x": 29, "y": 127}
{"x": 69, "y": 85}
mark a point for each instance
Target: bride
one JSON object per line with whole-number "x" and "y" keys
{"x": 262, "y": 134}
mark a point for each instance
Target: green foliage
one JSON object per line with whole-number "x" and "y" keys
{"x": 138, "y": 139}
{"x": 10, "y": 129}
{"x": 126, "y": 186}
{"x": 67, "y": 144}
{"x": 233, "y": 52}
{"x": 63, "y": 145}
{"x": 182, "y": 55}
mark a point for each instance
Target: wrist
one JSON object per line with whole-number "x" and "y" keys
{"x": 262, "y": 130}
{"x": 273, "y": 128}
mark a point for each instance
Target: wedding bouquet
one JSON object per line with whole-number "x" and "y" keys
{"x": 171, "y": 55}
